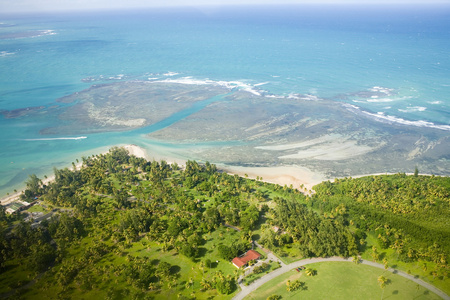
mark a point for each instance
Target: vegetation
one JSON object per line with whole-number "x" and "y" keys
{"x": 399, "y": 220}
{"x": 341, "y": 280}
{"x": 259, "y": 271}
{"x": 123, "y": 227}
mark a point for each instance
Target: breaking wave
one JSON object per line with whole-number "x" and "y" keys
{"x": 381, "y": 117}
{"x": 57, "y": 139}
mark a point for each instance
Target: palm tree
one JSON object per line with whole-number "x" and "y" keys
{"x": 205, "y": 284}
{"x": 382, "y": 283}
{"x": 288, "y": 285}
{"x": 385, "y": 262}
{"x": 310, "y": 272}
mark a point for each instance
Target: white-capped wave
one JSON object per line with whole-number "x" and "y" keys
{"x": 117, "y": 77}
{"x": 262, "y": 83}
{"x": 379, "y": 89}
{"x": 6, "y": 53}
{"x": 44, "y": 32}
{"x": 306, "y": 97}
{"x": 434, "y": 102}
{"x": 413, "y": 109}
{"x": 381, "y": 117}
{"x": 56, "y": 139}
{"x": 275, "y": 96}
{"x": 231, "y": 85}
{"x": 170, "y": 74}
{"x": 382, "y": 100}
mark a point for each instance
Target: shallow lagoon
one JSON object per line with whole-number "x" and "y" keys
{"x": 236, "y": 126}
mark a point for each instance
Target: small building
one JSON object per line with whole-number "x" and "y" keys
{"x": 17, "y": 205}
{"x": 243, "y": 260}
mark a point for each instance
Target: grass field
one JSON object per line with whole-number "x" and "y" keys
{"x": 343, "y": 280}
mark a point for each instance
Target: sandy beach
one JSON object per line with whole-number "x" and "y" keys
{"x": 283, "y": 175}
{"x": 136, "y": 151}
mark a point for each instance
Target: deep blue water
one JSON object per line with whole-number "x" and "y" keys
{"x": 330, "y": 52}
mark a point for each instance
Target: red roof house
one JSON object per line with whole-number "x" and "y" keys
{"x": 244, "y": 259}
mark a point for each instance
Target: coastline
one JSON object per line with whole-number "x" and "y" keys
{"x": 300, "y": 178}
{"x": 16, "y": 196}
{"x": 282, "y": 175}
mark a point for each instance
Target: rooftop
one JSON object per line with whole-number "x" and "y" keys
{"x": 244, "y": 259}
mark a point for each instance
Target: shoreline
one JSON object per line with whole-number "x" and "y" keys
{"x": 300, "y": 178}
{"x": 16, "y": 196}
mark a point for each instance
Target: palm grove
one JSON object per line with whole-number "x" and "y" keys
{"x": 122, "y": 226}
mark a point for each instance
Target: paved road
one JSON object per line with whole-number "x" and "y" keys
{"x": 245, "y": 290}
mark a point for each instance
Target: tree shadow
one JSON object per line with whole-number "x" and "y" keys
{"x": 175, "y": 269}
{"x": 202, "y": 251}
{"x": 155, "y": 262}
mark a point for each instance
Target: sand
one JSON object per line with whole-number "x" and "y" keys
{"x": 299, "y": 177}
{"x": 136, "y": 151}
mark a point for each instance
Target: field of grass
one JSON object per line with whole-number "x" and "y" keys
{"x": 37, "y": 208}
{"x": 343, "y": 280}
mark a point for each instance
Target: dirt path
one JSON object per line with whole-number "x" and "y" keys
{"x": 245, "y": 290}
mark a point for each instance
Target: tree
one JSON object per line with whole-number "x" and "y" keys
{"x": 416, "y": 172}
{"x": 310, "y": 272}
{"x": 293, "y": 286}
{"x": 163, "y": 270}
{"x": 249, "y": 217}
{"x": 33, "y": 185}
{"x": 382, "y": 283}
{"x": 41, "y": 256}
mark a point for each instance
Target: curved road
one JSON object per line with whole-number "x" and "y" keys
{"x": 245, "y": 290}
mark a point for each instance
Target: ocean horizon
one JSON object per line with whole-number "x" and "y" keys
{"x": 73, "y": 85}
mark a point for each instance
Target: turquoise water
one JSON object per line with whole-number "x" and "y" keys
{"x": 330, "y": 52}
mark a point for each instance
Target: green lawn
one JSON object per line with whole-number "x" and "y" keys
{"x": 37, "y": 208}
{"x": 343, "y": 280}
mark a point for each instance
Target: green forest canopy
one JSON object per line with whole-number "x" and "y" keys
{"x": 125, "y": 227}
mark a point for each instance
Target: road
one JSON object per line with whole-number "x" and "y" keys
{"x": 245, "y": 290}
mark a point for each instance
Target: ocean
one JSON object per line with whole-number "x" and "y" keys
{"x": 390, "y": 62}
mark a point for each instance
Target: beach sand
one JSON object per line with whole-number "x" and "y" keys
{"x": 136, "y": 151}
{"x": 282, "y": 175}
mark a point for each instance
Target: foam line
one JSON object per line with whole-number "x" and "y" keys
{"x": 57, "y": 139}
{"x": 381, "y": 117}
